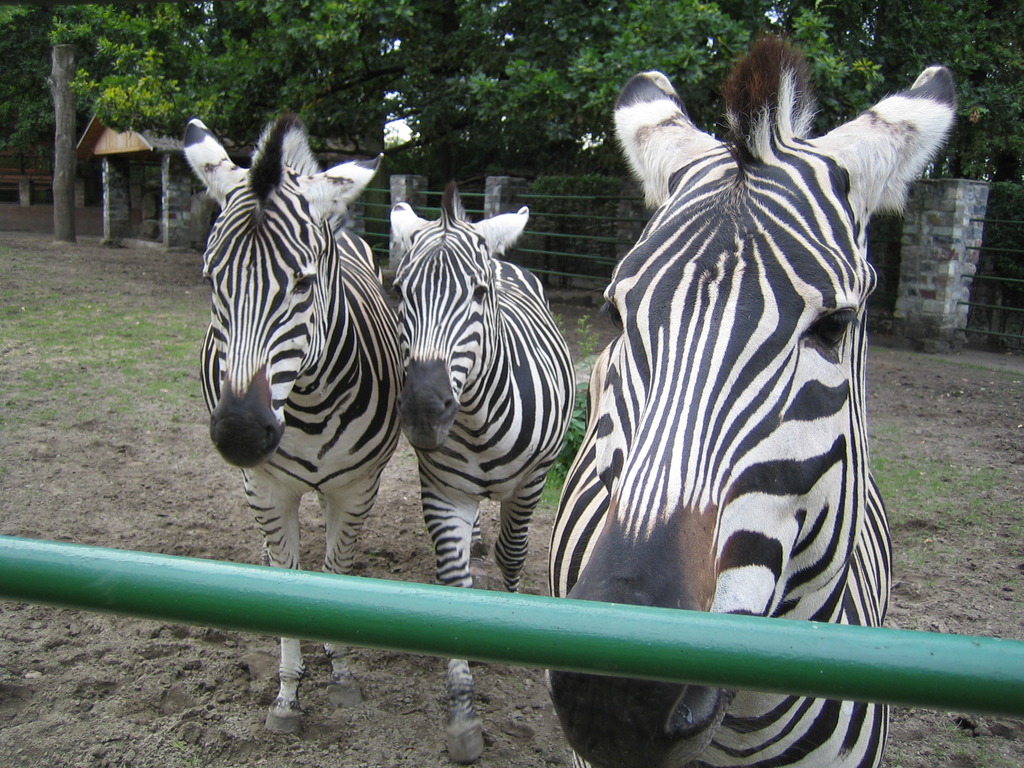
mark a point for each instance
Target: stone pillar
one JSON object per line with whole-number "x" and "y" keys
{"x": 503, "y": 194}
{"x": 408, "y": 188}
{"x": 405, "y": 188}
{"x": 116, "y": 205}
{"x": 176, "y": 185}
{"x": 203, "y": 212}
{"x": 939, "y": 256}
{"x": 25, "y": 191}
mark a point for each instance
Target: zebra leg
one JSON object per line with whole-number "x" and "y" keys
{"x": 513, "y": 538}
{"x": 451, "y": 521}
{"x": 478, "y": 557}
{"x": 275, "y": 510}
{"x": 465, "y": 731}
{"x": 344, "y": 515}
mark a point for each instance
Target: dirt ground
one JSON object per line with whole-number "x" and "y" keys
{"x": 84, "y": 689}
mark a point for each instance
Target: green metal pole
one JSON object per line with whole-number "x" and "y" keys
{"x": 969, "y": 674}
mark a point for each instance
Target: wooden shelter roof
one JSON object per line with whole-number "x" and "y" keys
{"x": 98, "y": 139}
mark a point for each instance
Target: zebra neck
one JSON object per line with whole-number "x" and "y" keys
{"x": 334, "y": 335}
{"x": 495, "y": 348}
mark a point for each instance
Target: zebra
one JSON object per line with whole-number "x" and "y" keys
{"x": 485, "y": 402}
{"x": 725, "y": 465}
{"x": 300, "y": 367}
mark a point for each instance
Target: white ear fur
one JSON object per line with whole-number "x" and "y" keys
{"x": 404, "y": 224}
{"x": 330, "y": 192}
{"x": 656, "y": 135}
{"x": 296, "y": 154}
{"x": 889, "y": 145}
{"x": 210, "y": 161}
{"x": 500, "y": 232}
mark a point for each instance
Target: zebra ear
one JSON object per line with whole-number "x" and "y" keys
{"x": 656, "y": 134}
{"x": 886, "y": 147}
{"x": 329, "y": 193}
{"x": 500, "y": 232}
{"x": 210, "y": 161}
{"x": 404, "y": 224}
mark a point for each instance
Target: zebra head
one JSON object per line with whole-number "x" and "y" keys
{"x": 445, "y": 281}
{"x": 727, "y": 439}
{"x": 267, "y": 261}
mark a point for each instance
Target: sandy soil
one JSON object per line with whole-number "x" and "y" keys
{"x": 86, "y": 689}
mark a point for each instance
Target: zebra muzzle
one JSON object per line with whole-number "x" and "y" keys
{"x": 244, "y": 428}
{"x": 426, "y": 405}
{"x": 629, "y": 723}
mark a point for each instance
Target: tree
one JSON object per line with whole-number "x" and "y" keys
{"x": 979, "y": 41}
{"x": 64, "y": 143}
{"x": 26, "y": 112}
{"x": 524, "y": 87}
{"x": 237, "y": 65}
{"x": 485, "y": 87}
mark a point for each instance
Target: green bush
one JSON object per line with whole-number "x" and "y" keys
{"x": 573, "y": 439}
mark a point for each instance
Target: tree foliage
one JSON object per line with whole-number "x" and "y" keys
{"x": 979, "y": 40}
{"x": 26, "y": 110}
{"x": 523, "y": 86}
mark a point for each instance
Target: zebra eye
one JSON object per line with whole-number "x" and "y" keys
{"x": 479, "y": 293}
{"x": 304, "y": 284}
{"x": 831, "y": 328}
{"x": 610, "y": 311}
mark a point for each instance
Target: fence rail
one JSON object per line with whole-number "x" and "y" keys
{"x": 969, "y": 674}
{"x": 571, "y": 240}
{"x": 996, "y": 304}
{"x": 575, "y": 241}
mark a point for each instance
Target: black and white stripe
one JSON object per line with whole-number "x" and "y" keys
{"x": 300, "y": 363}
{"x": 486, "y": 399}
{"x": 725, "y": 467}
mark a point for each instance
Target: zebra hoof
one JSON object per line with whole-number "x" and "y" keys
{"x": 283, "y": 721}
{"x": 344, "y": 693}
{"x": 465, "y": 740}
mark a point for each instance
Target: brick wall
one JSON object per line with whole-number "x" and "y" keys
{"x": 939, "y": 256}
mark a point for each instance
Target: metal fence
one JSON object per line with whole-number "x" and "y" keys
{"x": 911, "y": 668}
{"x": 571, "y": 241}
{"x": 996, "y": 305}
{"x": 884, "y": 238}
{"x": 574, "y": 241}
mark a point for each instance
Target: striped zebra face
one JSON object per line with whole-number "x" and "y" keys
{"x": 728, "y": 430}
{"x": 266, "y": 260}
{"x": 445, "y": 283}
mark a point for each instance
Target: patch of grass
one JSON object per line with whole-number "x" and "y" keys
{"x": 189, "y": 755}
{"x": 922, "y": 490}
{"x": 74, "y": 353}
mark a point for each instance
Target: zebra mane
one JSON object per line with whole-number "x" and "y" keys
{"x": 768, "y": 98}
{"x": 452, "y": 209}
{"x": 284, "y": 143}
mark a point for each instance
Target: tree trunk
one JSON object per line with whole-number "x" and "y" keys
{"x": 64, "y": 143}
